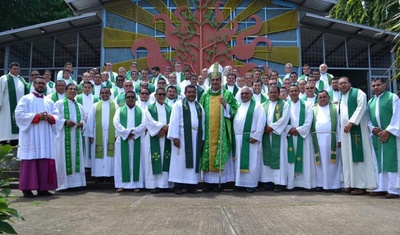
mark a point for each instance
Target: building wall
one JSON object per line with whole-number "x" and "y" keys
{"x": 134, "y": 25}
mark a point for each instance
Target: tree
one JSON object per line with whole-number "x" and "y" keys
{"x": 375, "y": 13}
{"x": 21, "y": 13}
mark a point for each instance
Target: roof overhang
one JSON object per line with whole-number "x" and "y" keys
{"x": 344, "y": 28}
{"x": 320, "y": 7}
{"x": 82, "y": 6}
{"x": 50, "y": 27}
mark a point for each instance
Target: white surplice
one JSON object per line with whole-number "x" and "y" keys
{"x": 356, "y": 174}
{"x": 101, "y": 167}
{"x": 250, "y": 178}
{"x": 87, "y": 102}
{"x": 178, "y": 173}
{"x": 36, "y": 141}
{"x": 159, "y": 180}
{"x": 77, "y": 179}
{"x": 388, "y": 181}
{"x": 277, "y": 176}
{"x": 5, "y": 113}
{"x": 305, "y": 179}
{"x": 123, "y": 133}
{"x": 328, "y": 174}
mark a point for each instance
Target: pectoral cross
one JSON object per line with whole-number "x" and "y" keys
{"x": 356, "y": 139}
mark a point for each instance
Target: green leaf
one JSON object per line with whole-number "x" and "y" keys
{"x": 6, "y": 228}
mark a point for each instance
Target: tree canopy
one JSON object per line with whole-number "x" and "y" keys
{"x": 375, "y": 13}
{"x": 21, "y": 13}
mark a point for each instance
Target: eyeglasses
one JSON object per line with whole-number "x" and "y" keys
{"x": 34, "y": 74}
{"x": 161, "y": 94}
{"x": 309, "y": 88}
{"x": 245, "y": 93}
{"x": 130, "y": 97}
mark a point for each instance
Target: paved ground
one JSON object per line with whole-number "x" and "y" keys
{"x": 103, "y": 211}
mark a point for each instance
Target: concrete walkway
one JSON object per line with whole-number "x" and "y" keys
{"x": 103, "y": 211}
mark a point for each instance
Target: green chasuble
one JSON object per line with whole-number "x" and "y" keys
{"x": 155, "y": 148}
{"x": 388, "y": 149}
{"x": 271, "y": 143}
{"x": 13, "y": 100}
{"x": 355, "y": 131}
{"x": 126, "y": 175}
{"x": 99, "y": 130}
{"x": 296, "y": 157}
{"x": 216, "y": 152}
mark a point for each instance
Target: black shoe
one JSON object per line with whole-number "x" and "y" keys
{"x": 279, "y": 188}
{"x": 44, "y": 194}
{"x": 155, "y": 191}
{"x": 251, "y": 190}
{"x": 319, "y": 189}
{"x": 178, "y": 191}
{"x": 192, "y": 190}
{"x": 338, "y": 190}
{"x": 28, "y": 194}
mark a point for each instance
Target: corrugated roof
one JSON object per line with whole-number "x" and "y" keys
{"x": 50, "y": 27}
{"x": 344, "y": 28}
{"x": 317, "y": 6}
{"x": 321, "y": 7}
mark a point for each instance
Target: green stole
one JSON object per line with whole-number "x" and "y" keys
{"x": 51, "y": 84}
{"x": 333, "y": 115}
{"x": 235, "y": 89}
{"x": 298, "y": 167}
{"x": 79, "y": 98}
{"x": 321, "y": 85}
{"x": 99, "y": 130}
{"x": 155, "y": 143}
{"x": 331, "y": 95}
{"x": 108, "y": 84}
{"x": 187, "y": 130}
{"x": 245, "y": 151}
{"x": 115, "y": 91}
{"x": 263, "y": 98}
{"x": 120, "y": 99}
{"x": 355, "y": 131}
{"x": 12, "y": 94}
{"x": 126, "y": 176}
{"x": 67, "y": 135}
{"x": 329, "y": 76}
{"x": 54, "y": 96}
{"x": 112, "y": 77}
{"x": 389, "y": 148}
{"x": 315, "y": 100}
{"x": 271, "y": 152}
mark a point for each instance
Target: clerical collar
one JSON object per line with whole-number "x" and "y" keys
{"x": 73, "y": 101}
{"x": 212, "y": 91}
{"x": 37, "y": 94}
{"x": 87, "y": 94}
